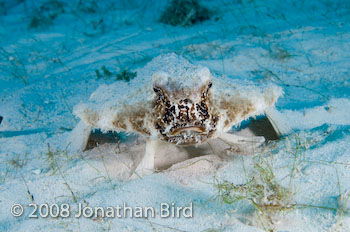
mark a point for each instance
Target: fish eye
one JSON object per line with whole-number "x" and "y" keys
{"x": 160, "y": 93}
{"x": 156, "y": 89}
{"x": 210, "y": 84}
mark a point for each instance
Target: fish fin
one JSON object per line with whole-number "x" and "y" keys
{"x": 79, "y": 137}
{"x": 279, "y": 124}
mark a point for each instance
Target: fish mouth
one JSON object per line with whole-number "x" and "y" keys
{"x": 196, "y": 129}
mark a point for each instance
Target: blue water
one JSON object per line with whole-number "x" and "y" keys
{"x": 50, "y": 51}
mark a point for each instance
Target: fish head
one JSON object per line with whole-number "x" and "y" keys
{"x": 183, "y": 110}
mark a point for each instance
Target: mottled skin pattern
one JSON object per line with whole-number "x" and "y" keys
{"x": 189, "y": 122}
{"x": 182, "y": 104}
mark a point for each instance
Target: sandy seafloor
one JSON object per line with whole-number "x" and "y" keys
{"x": 302, "y": 46}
